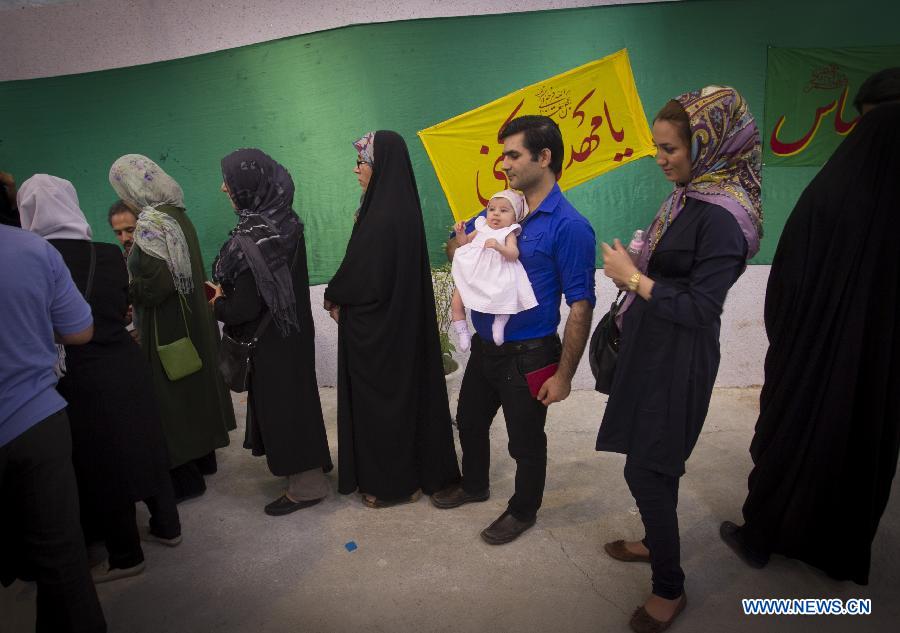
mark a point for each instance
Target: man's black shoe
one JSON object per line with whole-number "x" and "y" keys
{"x": 454, "y": 496}
{"x": 505, "y": 529}
{"x": 731, "y": 534}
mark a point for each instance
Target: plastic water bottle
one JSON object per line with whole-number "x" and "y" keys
{"x": 636, "y": 245}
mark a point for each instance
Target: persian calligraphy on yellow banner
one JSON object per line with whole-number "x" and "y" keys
{"x": 598, "y": 112}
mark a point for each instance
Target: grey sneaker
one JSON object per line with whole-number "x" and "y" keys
{"x": 149, "y": 537}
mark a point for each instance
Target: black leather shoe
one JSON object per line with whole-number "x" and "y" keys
{"x": 454, "y": 496}
{"x": 505, "y": 529}
{"x": 731, "y": 534}
{"x": 283, "y": 505}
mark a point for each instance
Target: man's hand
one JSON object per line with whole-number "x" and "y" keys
{"x": 578, "y": 325}
{"x": 555, "y": 389}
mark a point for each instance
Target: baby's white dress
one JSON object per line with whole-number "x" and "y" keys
{"x": 487, "y": 281}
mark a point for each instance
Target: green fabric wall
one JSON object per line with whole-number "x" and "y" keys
{"x": 306, "y": 98}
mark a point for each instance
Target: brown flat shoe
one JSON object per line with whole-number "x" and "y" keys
{"x": 617, "y": 550}
{"x": 643, "y": 622}
{"x": 373, "y": 502}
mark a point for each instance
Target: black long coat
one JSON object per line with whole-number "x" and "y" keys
{"x": 669, "y": 353}
{"x": 284, "y": 414}
{"x": 118, "y": 448}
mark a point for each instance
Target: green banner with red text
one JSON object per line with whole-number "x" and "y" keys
{"x": 809, "y": 99}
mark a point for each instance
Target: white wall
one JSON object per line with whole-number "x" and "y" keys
{"x": 82, "y": 36}
{"x": 743, "y": 337}
{"x": 43, "y": 40}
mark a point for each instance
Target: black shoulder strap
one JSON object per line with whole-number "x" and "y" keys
{"x": 90, "y": 280}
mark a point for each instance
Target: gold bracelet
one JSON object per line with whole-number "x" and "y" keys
{"x": 634, "y": 281}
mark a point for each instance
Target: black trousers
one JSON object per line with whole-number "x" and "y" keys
{"x": 495, "y": 377}
{"x": 119, "y": 532}
{"x": 164, "y": 519}
{"x": 116, "y": 526}
{"x": 39, "y": 495}
{"x": 656, "y": 495}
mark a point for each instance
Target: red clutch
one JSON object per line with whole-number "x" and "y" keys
{"x": 538, "y": 377}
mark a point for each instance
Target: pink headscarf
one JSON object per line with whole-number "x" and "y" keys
{"x": 517, "y": 200}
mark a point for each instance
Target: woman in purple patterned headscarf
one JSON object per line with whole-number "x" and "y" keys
{"x": 697, "y": 246}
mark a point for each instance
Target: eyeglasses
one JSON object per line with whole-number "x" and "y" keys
{"x": 360, "y": 163}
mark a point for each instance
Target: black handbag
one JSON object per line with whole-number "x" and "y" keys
{"x": 604, "y": 348}
{"x": 235, "y": 357}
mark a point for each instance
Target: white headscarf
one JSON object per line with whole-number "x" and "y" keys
{"x": 139, "y": 181}
{"x": 49, "y": 207}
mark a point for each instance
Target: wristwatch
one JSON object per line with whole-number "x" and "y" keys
{"x": 634, "y": 281}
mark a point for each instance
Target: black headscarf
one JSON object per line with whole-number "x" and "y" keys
{"x": 828, "y": 435}
{"x": 394, "y": 428}
{"x": 8, "y": 213}
{"x": 267, "y": 232}
{"x": 879, "y": 88}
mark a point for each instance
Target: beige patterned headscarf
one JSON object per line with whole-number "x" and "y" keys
{"x": 139, "y": 181}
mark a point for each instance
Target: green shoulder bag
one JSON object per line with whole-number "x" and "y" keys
{"x": 179, "y": 358}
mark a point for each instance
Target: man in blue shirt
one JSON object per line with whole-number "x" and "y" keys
{"x": 40, "y": 304}
{"x": 557, "y": 248}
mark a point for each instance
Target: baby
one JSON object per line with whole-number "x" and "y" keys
{"x": 486, "y": 269}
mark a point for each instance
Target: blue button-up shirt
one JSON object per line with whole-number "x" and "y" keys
{"x": 556, "y": 247}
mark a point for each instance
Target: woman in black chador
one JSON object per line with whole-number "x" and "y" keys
{"x": 262, "y": 269}
{"x": 394, "y": 430}
{"x": 827, "y": 439}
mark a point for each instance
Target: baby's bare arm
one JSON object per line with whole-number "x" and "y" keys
{"x": 509, "y": 250}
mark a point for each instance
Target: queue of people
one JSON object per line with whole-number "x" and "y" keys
{"x": 128, "y": 423}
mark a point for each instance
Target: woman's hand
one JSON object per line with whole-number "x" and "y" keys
{"x": 617, "y": 263}
{"x": 619, "y": 267}
{"x": 218, "y": 294}
{"x": 328, "y": 305}
{"x": 492, "y": 243}
{"x": 335, "y": 313}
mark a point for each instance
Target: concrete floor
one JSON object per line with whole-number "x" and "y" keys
{"x": 421, "y": 569}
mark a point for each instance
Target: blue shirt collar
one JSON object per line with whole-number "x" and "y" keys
{"x": 551, "y": 202}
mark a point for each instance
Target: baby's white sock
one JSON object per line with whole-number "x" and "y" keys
{"x": 462, "y": 332}
{"x": 498, "y": 327}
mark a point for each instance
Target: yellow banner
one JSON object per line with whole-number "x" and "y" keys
{"x": 598, "y": 112}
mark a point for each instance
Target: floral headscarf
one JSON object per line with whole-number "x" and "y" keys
{"x": 725, "y": 165}
{"x": 725, "y": 168}
{"x": 139, "y": 181}
{"x": 365, "y": 147}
